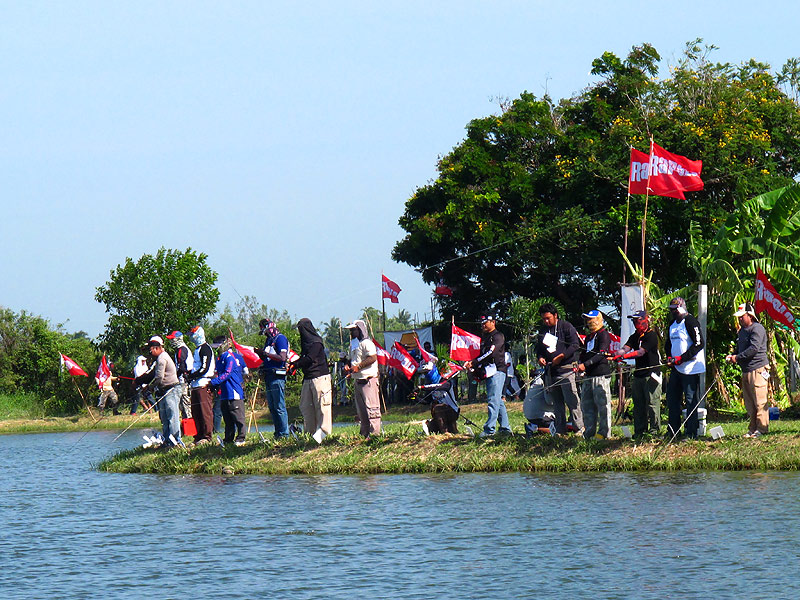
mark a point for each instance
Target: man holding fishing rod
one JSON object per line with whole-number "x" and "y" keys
{"x": 163, "y": 379}
{"x": 642, "y": 347}
{"x": 685, "y": 354}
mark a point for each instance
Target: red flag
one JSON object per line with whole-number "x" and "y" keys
{"x": 71, "y": 366}
{"x": 384, "y": 358}
{"x": 442, "y": 289}
{"x": 767, "y": 299}
{"x": 616, "y": 342}
{"x": 405, "y": 362}
{"x": 666, "y": 174}
{"x": 390, "y": 289}
{"x": 464, "y": 345}
{"x": 454, "y": 368}
{"x": 103, "y": 372}
{"x": 251, "y": 359}
{"x": 426, "y": 356}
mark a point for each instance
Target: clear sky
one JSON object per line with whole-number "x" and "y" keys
{"x": 282, "y": 139}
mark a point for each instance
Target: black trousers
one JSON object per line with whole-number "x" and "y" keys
{"x": 233, "y": 415}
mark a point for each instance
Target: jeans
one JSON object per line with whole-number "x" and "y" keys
{"x": 217, "y": 411}
{"x": 678, "y": 386}
{"x": 170, "y": 414}
{"x": 596, "y": 406}
{"x": 277, "y": 405}
{"x": 496, "y": 406}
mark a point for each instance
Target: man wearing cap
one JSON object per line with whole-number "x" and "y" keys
{"x": 200, "y": 382}
{"x": 492, "y": 359}
{"x": 273, "y": 370}
{"x": 596, "y": 384}
{"x": 167, "y": 390}
{"x": 751, "y": 356}
{"x": 183, "y": 364}
{"x": 642, "y": 347}
{"x": 230, "y": 382}
{"x": 684, "y": 349}
{"x": 364, "y": 371}
{"x": 556, "y": 348}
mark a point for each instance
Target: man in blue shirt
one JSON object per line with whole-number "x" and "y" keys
{"x": 274, "y": 353}
{"x": 230, "y": 382}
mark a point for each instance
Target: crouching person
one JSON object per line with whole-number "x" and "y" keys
{"x": 230, "y": 382}
{"x": 316, "y": 395}
{"x": 444, "y": 409}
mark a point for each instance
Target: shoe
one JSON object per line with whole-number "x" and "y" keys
{"x": 200, "y": 442}
{"x": 238, "y": 443}
{"x": 597, "y": 436}
{"x": 747, "y": 435}
{"x": 756, "y": 434}
{"x": 483, "y": 434}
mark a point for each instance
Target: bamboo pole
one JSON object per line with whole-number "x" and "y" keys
{"x": 252, "y": 418}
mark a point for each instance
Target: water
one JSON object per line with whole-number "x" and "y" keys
{"x": 71, "y": 532}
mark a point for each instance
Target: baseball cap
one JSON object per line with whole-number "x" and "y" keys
{"x": 155, "y": 341}
{"x": 639, "y": 314}
{"x": 218, "y": 341}
{"x": 486, "y": 318}
{"x": 677, "y": 302}
{"x": 591, "y": 314}
{"x": 174, "y": 334}
{"x": 745, "y": 309}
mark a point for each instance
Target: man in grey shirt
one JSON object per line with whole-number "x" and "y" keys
{"x": 167, "y": 389}
{"x": 751, "y": 356}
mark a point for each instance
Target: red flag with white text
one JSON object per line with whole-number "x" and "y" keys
{"x": 384, "y": 358}
{"x": 464, "y": 345}
{"x": 454, "y": 368}
{"x": 103, "y": 372}
{"x": 767, "y": 299}
{"x": 426, "y": 356}
{"x": 71, "y": 366}
{"x": 666, "y": 174}
{"x": 405, "y": 362}
{"x": 390, "y": 289}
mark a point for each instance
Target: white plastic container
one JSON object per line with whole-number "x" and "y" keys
{"x": 717, "y": 432}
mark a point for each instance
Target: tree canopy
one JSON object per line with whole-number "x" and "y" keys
{"x": 153, "y": 296}
{"x": 534, "y": 201}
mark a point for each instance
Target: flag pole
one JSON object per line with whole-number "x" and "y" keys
{"x": 627, "y": 214}
{"x": 383, "y": 304}
{"x": 646, "y": 199}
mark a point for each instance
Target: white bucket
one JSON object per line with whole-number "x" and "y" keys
{"x": 716, "y": 432}
{"x": 626, "y": 431}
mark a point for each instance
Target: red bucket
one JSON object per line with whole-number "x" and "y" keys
{"x": 188, "y": 427}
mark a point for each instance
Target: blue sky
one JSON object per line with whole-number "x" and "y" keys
{"x": 282, "y": 139}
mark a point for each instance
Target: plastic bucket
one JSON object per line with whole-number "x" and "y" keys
{"x": 188, "y": 427}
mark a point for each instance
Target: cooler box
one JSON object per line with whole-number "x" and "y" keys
{"x": 188, "y": 427}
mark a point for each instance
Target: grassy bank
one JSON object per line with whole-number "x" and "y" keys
{"x": 403, "y": 450}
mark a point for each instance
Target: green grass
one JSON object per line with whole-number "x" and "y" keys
{"x": 21, "y": 406}
{"x": 402, "y": 449}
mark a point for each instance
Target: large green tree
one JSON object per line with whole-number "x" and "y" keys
{"x": 534, "y": 203}
{"x": 154, "y": 295}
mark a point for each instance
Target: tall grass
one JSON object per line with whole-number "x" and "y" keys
{"x": 21, "y": 406}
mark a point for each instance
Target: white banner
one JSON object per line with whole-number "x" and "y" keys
{"x": 632, "y": 300}
{"x": 425, "y": 334}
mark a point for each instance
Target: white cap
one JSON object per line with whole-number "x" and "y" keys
{"x": 155, "y": 341}
{"x": 745, "y": 309}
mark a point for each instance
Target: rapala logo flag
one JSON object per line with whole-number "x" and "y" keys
{"x": 390, "y": 289}
{"x": 464, "y": 345}
{"x": 405, "y": 362}
{"x": 384, "y": 358}
{"x": 767, "y": 299}
{"x": 454, "y": 368}
{"x": 71, "y": 366}
{"x": 666, "y": 174}
{"x": 103, "y": 373}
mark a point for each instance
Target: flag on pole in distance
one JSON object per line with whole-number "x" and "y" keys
{"x": 103, "y": 372}
{"x": 767, "y": 299}
{"x": 390, "y": 289}
{"x": 464, "y": 345}
{"x": 71, "y": 366}
{"x": 666, "y": 174}
{"x": 405, "y": 362}
{"x": 442, "y": 289}
{"x": 251, "y": 359}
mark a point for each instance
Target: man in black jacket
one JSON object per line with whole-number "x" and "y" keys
{"x": 684, "y": 350}
{"x": 556, "y": 348}
{"x": 596, "y": 385}
{"x": 493, "y": 359}
{"x": 316, "y": 395}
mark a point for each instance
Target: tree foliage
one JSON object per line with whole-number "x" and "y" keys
{"x": 154, "y": 295}
{"x": 534, "y": 203}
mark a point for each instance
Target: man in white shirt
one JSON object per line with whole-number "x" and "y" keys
{"x": 363, "y": 368}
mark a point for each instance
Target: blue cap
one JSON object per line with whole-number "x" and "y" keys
{"x": 639, "y": 314}
{"x": 591, "y": 314}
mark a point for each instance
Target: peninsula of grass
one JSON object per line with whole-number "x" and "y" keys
{"x": 403, "y": 449}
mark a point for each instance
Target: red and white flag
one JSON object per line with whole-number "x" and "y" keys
{"x": 443, "y": 290}
{"x": 251, "y": 359}
{"x": 666, "y": 174}
{"x": 454, "y": 368}
{"x": 384, "y": 358}
{"x": 426, "y": 356}
{"x": 464, "y": 345}
{"x": 616, "y": 342}
{"x": 390, "y": 289}
{"x": 71, "y": 366}
{"x": 404, "y": 361}
{"x": 103, "y": 372}
{"x": 767, "y": 299}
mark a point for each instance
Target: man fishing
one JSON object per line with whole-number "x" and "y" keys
{"x": 684, "y": 349}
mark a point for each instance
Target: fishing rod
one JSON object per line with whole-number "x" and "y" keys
{"x": 152, "y": 406}
{"x": 675, "y": 433}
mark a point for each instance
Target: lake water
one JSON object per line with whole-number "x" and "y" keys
{"x": 68, "y": 531}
